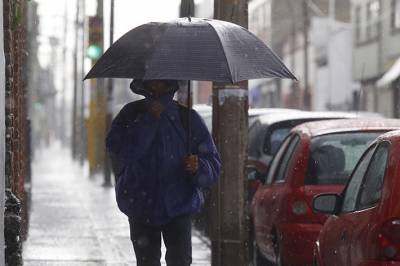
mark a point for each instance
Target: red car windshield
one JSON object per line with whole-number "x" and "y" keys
{"x": 333, "y": 156}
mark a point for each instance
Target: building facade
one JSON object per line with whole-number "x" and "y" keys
{"x": 376, "y": 25}
{"x": 287, "y": 27}
{"x": 331, "y": 46}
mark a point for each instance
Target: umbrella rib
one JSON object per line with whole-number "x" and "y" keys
{"x": 223, "y": 50}
{"x": 276, "y": 58}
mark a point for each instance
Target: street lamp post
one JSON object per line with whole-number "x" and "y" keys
{"x": 74, "y": 141}
{"x": 107, "y": 168}
{"x": 307, "y": 93}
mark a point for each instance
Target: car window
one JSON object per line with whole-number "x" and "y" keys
{"x": 255, "y": 139}
{"x": 350, "y": 195}
{"x": 277, "y": 137}
{"x": 372, "y": 185}
{"x": 334, "y": 156}
{"x": 277, "y": 158}
{"x": 284, "y": 164}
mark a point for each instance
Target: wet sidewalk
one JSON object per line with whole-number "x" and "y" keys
{"x": 75, "y": 221}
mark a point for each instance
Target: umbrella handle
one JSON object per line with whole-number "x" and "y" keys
{"x": 189, "y": 120}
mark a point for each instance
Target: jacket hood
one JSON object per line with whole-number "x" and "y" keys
{"x": 137, "y": 86}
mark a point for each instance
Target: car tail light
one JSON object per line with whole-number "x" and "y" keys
{"x": 389, "y": 239}
{"x": 300, "y": 207}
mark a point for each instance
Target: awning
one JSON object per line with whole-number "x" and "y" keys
{"x": 391, "y": 75}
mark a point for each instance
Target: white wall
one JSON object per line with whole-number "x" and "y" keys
{"x": 2, "y": 135}
{"x": 391, "y": 40}
{"x": 367, "y": 57}
{"x": 385, "y": 101}
{"x": 298, "y": 68}
{"x": 366, "y": 61}
{"x": 204, "y": 8}
{"x": 333, "y": 84}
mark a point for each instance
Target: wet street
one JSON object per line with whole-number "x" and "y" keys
{"x": 75, "y": 221}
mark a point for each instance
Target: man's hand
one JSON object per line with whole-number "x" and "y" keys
{"x": 156, "y": 109}
{"x": 191, "y": 164}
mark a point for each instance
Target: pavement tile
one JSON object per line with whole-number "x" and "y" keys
{"x": 75, "y": 220}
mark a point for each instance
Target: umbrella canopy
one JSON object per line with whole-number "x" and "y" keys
{"x": 190, "y": 49}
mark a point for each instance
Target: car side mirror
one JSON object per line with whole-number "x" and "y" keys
{"x": 328, "y": 203}
{"x": 254, "y": 174}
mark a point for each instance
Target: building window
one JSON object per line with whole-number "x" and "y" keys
{"x": 358, "y": 24}
{"x": 395, "y": 14}
{"x": 373, "y": 16}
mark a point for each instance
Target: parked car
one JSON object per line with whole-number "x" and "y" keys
{"x": 267, "y": 133}
{"x": 364, "y": 228}
{"x": 256, "y": 112}
{"x": 316, "y": 157}
{"x": 205, "y": 111}
{"x": 368, "y": 114}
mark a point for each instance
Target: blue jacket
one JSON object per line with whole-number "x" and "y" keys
{"x": 153, "y": 186}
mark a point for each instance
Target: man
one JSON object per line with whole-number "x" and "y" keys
{"x": 159, "y": 185}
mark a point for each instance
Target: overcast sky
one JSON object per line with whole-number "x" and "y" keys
{"x": 131, "y": 13}
{"x": 128, "y": 14}
{"x": 57, "y": 17}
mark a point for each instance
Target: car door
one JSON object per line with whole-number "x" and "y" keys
{"x": 367, "y": 209}
{"x": 279, "y": 187}
{"x": 335, "y": 238}
{"x": 267, "y": 208}
{"x": 258, "y": 209}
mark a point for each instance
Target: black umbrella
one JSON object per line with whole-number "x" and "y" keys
{"x": 190, "y": 49}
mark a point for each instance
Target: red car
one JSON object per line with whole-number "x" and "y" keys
{"x": 268, "y": 131}
{"x": 316, "y": 157}
{"x": 364, "y": 229}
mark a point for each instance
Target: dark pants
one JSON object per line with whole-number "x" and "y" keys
{"x": 177, "y": 236}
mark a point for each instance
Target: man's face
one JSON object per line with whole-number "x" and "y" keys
{"x": 156, "y": 87}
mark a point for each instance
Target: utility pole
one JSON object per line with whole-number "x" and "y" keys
{"x": 187, "y": 8}
{"x": 331, "y": 52}
{"x": 82, "y": 132}
{"x": 64, "y": 80}
{"x": 229, "y": 214}
{"x": 307, "y": 93}
{"x": 74, "y": 141}
{"x": 293, "y": 33}
{"x": 98, "y": 101}
{"x": 107, "y": 168}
